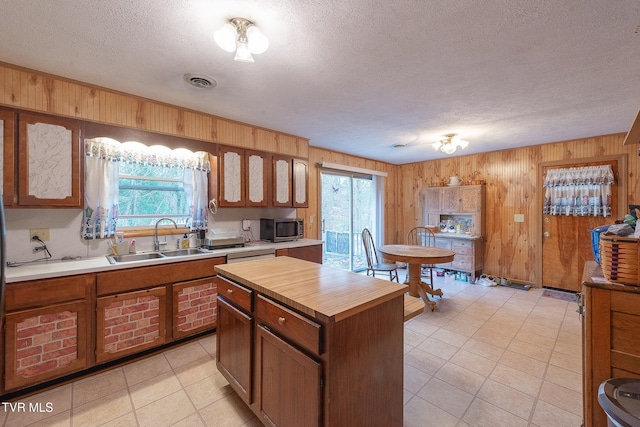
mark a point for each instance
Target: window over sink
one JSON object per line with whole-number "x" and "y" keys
{"x": 130, "y": 185}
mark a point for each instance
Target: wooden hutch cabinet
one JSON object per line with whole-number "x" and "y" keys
{"x": 461, "y": 205}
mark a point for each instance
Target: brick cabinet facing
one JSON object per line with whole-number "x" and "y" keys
{"x": 194, "y": 306}
{"x": 129, "y": 323}
{"x": 46, "y": 333}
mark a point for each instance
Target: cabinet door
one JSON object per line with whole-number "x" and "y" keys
{"x": 282, "y": 181}
{"x": 433, "y": 199}
{"x": 300, "y": 183}
{"x": 7, "y": 157}
{"x": 257, "y": 167}
{"x": 470, "y": 200}
{"x": 233, "y": 348}
{"x": 232, "y": 176}
{"x": 451, "y": 200}
{"x": 45, "y": 343}
{"x": 129, "y": 323}
{"x": 288, "y": 392}
{"x": 194, "y": 307}
{"x": 49, "y": 163}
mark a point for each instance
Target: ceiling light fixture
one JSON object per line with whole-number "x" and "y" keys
{"x": 450, "y": 143}
{"x": 243, "y": 37}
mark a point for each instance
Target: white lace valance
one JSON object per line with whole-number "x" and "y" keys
{"x": 584, "y": 191}
{"x": 136, "y": 152}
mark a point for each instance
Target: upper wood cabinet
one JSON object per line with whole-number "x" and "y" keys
{"x": 49, "y": 162}
{"x": 467, "y": 199}
{"x": 290, "y": 182}
{"x": 300, "y": 183}
{"x": 244, "y": 177}
{"x": 7, "y": 156}
{"x": 282, "y": 178}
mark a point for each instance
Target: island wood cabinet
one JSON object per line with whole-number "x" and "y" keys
{"x": 294, "y": 368}
{"x": 49, "y": 162}
{"x": 48, "y": 326}
{"x": 611, "y": 337}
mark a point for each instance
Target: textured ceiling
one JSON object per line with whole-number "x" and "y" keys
{"x": 358, "y": 76}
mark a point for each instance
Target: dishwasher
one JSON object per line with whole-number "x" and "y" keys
{"x": 250, "y": 255}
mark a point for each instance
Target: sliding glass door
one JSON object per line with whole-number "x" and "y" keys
{"x": 349, "y": 204}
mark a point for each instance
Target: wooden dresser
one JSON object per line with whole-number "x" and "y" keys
{"x": 611, "y": 337}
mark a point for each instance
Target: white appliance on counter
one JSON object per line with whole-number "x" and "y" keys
{"x": 250, "y": 255}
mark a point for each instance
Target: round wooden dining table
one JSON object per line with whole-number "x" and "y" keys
{"x": 415, "y": 256}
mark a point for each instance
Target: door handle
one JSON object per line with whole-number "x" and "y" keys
{"x": 546, "y": 234}
{"x": 323, "y": 225}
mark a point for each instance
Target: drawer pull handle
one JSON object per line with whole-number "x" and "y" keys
{"x": 281, "y": 320}
{"x": 230, "y": 291}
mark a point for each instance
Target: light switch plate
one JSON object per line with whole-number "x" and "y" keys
{"x": 518, "y": 218}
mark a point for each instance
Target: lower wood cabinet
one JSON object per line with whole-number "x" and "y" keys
{"x": 47, "y": 330}
{"x": 308, "y": 253}
{"x": 130, "y": 322}
{"x": 194, "y": 306}
{"x": 288, "y": 391}
{"x": 611, "y": 338}
{"x": 233, "y": 344}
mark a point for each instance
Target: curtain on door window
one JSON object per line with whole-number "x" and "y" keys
{"x": 583, "y": 191}
{"x": 102, "y": 157}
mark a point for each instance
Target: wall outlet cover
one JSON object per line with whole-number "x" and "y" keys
{"x": 42, "y": 233}
{"x": 246, "y": 224}
{"x": 518, "y": 218}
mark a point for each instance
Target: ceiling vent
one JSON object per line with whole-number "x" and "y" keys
{"x": 200, "y": 80}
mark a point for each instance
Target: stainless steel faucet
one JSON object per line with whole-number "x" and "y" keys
{"x": 156, "y": 242}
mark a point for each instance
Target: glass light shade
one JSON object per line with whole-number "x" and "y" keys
{"x": 460, "y": 142}
{"x": 243, "y": 54}
{"x": 258, "y": 43}
{"x": 226, "y": 37}
{"x": 448, "y": 148}
{"x": 436, "y": 145}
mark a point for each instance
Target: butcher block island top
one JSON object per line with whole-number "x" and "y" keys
{"x": 319, "y": 291}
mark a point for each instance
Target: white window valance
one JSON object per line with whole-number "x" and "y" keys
{"x": 583, "y": 191}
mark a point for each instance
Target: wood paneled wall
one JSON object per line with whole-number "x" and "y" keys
{"x": 36, "y": 91}
{"x": 511, "y": 175}
{"x": 512, "y": 188}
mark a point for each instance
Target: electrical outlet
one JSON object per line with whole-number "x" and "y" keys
{"x": 42, "y": 233}
{"x": 246, "y": 224}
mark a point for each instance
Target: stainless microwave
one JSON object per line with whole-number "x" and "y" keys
{"x": 281, "y": 229}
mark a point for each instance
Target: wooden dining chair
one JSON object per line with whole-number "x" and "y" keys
{"x": 373, "y": 264}
{"x": 423, "y": 236}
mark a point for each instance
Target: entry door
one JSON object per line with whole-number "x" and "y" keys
{"x": 348, "y": 205}
{"x": 566, "y": 241}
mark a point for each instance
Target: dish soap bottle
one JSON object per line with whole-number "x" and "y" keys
{"x": 184, "y": 243}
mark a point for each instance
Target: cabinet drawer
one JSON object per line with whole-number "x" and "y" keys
{"x": 462, "y": 248}
{"x": 19, "y": 296}
{"x": 288, "y": 324}
{"x": 462, "y": 263}
{"x": 239, "y": 295}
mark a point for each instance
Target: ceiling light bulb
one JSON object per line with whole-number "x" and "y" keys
{"x": 258, "y": 43}
{"x": 243, "y": 54}
{"x": 226, "y": 37}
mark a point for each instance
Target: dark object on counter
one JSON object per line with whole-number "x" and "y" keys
{"x": 620, "y": 400}
{"x": 281, "y": 229}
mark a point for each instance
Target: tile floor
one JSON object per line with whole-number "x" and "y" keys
{"x": 491, "y": 356}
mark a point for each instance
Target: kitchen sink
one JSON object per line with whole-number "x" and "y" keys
{"x": 113, "y": 259}
{"x": 181, "y": 252}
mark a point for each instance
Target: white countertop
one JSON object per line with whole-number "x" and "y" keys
{"x": 58, "y": 268}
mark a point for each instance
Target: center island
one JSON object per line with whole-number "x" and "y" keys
{"x": 309, "y": 345}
